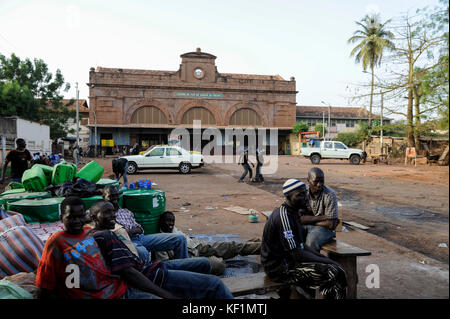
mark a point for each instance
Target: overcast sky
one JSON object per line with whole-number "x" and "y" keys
{"x": 306, "y": 39}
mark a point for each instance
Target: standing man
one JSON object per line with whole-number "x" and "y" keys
{"x": 145, "y": 244}
{"x": 259, "y": 163}
{"x": 243, "y": 160}
{"x": 287, "y": 259}
{"x": 120, "y": 167}
{"x": 321, "y": 218}
{"x": 19, "y": 159}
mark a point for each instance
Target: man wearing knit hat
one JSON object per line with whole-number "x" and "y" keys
{"x": 287, "y": 259}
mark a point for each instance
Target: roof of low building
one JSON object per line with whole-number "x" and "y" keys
{"x": 335, "y": 112}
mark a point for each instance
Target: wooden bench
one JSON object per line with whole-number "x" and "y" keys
{"x": 346, "y": 255}
{"x": 259, "y": 283}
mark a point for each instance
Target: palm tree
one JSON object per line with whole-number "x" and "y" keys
{"x": 373, "y": 39}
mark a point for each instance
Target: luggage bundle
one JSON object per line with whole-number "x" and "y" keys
{"x": 43, "y": 188}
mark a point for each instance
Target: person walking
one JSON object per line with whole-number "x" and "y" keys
{"x": 244, "y": 161}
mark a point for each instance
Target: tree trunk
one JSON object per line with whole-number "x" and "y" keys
{"x": 409, "y": 119}
{"x": 371, "y": 98}
{"x": 417, "y": 118}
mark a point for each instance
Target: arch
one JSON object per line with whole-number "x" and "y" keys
{"x": 213, "y": 109}
{"x": 198, "y": 113}
{"x": 245, "y": 105}
{"x": 245, "y": 117}
{"x": 148, "y": 115}
{"x": 147, "y": 102}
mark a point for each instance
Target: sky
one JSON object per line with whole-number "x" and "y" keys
{"x": 306, "y": 39}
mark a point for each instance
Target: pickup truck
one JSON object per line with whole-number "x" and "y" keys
{"x": 332, "y": 149}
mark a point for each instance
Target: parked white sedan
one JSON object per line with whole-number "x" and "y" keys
{"x": 165, "y": 157}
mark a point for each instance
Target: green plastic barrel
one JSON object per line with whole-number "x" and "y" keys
{"x": 14, "y": 197}
{"x": 38, "y": 210}
{"x": 34, "y": 179}
{"x": 147, "y": 206}
{"x": 92, "y": 172}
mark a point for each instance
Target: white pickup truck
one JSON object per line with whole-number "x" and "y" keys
{"x": 333, "y": 149}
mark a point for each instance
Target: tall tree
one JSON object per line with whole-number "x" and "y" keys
{"x": 29, "y": 90}
{"x": 373, "y": 39}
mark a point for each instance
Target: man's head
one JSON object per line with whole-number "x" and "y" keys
{"x": 21, "y": 144}
{"x": 73, "y": 215}
{"x": 316, "y": 180}
{"x": 167, "y": 222}
{"x": 103, "y": 215}
{"x": 111, "y": 194}
{"x": 294, "y": 191}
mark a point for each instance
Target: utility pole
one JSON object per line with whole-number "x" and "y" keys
{"x": 329, "y": 118}
{"x": 323, "y": 125}
{"x": 78, "y": 127}
{"x": 381, "y": 123}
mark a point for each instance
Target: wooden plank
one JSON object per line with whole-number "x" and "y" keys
{"x": 257, "y": 283}
{"x": 267, "y": 214}
{"x": 238, "y": 209}
{"x": 357, "y": 225}
{"x": 339, "y": 248}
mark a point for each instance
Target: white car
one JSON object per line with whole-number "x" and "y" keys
{"x": 164, "y": 157}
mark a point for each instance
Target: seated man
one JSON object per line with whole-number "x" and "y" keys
{"x": 215, "y": 251}
{"x": 144, "y": 243}
{"x": 321, "y": 218}
{"x": 72, "y": 265}
{"x": 284, "y": 256}
{"x": 172, "y": 275}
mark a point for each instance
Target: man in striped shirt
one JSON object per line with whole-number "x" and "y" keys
{"x": 286, "y": 258}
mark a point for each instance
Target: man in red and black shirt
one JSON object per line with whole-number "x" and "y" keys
{"x": 19, "y": 159}
{"x": 286, "y": 258}
{"x": 72, "y": 265}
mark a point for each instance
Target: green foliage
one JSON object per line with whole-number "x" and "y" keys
{"x": 319, "y": 127}
{"x": 353, "y": 138}
{"x": 300, "y": 127}
{"x": 30, "y": 91}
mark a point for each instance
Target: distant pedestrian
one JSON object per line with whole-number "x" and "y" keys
{"x": 259, "y": 163}
{"x": 19, "y": 159}
{"x": 244, "y": 161}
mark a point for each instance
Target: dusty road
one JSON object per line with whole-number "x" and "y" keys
{"x": 405, "y": 207}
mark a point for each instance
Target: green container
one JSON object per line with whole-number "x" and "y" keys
{"x": 92, "y": 172}
{"x": 15, "y": 185}
{"x": 48, "y": 171}
{"x": 89, "y": 201}
{"x": 147, "y": 206}
{"x": 14, "y": 197}
{"x": 13, "y": 191}
{"x": 34, "y": 179}
{"x": 63, "y": 172}
{"x": 38, "y": 210}
{"x": 108, "y": 182}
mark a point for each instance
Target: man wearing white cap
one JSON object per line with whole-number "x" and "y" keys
{"x": 286, "y": 258}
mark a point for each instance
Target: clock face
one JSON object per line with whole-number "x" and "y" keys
{"x": 198, "y": 73}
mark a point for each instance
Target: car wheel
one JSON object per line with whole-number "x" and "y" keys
{"x": 132, "y": 168}
{"x": 315, "y": 159}
{"x": 355, "y": 159}
{"x": 184, "y": 168}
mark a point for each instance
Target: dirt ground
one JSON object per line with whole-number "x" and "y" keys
{"x": 405, "y": 208}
